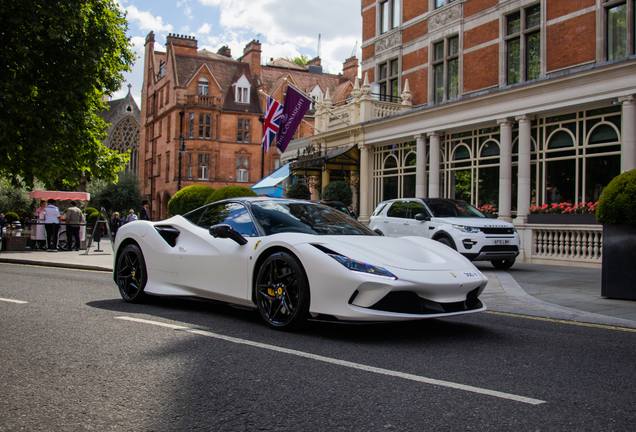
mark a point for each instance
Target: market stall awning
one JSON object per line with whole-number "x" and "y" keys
{"x": 272, "y": 184}
{"x": 60, "y": 195}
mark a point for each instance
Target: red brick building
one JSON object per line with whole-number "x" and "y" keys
{"x": 215, "y": 103}
{"x": 510, "y": 103}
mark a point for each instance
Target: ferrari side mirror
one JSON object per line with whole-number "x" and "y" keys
{"x": 226, "y": 231}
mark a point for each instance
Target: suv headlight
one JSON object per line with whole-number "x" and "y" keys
{"x": 466, "y": 229}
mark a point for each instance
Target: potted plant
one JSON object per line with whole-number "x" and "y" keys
{"x": 617, "y": 212}
{"x": 489, "y": 211}
{"x": 563, "y": 213}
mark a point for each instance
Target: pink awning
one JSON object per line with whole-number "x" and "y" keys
{"x": 59, "y": 195}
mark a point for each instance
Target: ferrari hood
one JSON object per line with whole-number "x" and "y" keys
{"x": 408, "y": 253}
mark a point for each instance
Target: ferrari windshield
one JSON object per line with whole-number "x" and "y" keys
{"x": 452, "y": 208}
{"x": 293, "y": 216}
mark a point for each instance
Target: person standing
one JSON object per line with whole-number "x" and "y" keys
{"x": 131, "y": 216}
{"x": 143, "y": 215}
{"x": 116, "y": 223}
{"x": 52, "y": 224}
{"x": 73, "y": 222}
{"x": 40, "y": 233}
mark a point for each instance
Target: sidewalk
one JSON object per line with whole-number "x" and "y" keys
{"x": 547, "y": 291}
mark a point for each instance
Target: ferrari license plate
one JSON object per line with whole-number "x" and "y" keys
{"x": 501, "y": 242}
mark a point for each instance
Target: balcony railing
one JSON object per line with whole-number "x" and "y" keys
{"x": 203, "y": 100}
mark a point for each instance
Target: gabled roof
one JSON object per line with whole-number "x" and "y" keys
{"x": 286, "y": 64}
{"x": 306, "y": 81}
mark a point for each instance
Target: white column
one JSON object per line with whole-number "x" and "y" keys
{"x": 420, "y": 167}
{"x": 365, "y": 181}
{"x": 505, "y": 170}
{"x": 433, "y": 185}
{"x": 628, "y": 133}
{"x": 524, "y": 179}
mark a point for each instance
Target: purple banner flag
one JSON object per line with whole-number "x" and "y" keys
{"x": 296, "y": 105}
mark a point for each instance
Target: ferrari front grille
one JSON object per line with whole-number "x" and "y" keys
{"x": 410, "y": 303}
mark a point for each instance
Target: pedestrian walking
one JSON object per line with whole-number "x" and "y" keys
{"x": 52, "y": 224}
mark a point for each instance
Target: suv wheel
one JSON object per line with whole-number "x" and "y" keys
{"x": 446, "y": 241}
{"x": 502, "y": 264}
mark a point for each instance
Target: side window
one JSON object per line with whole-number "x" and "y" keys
{"x": 379, "y": 209}
{"x": 415, "y": 207}
{"x": 398, "y": 209}
{"x": 232, "y": 214}
{"x": 195, "y": 215}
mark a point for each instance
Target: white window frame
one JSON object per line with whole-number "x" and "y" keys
{"x": 630, "y": 28}
{"x": 242, "y": 90}
{"x": 389, "y": 15}
{"x": 204, "y": 86}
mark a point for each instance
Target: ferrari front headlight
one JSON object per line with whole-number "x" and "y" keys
{"x": 466, "y": 229}
{"x": 359, "y": 266}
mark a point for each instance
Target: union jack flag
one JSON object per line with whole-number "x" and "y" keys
{"x": 273, "y": 115}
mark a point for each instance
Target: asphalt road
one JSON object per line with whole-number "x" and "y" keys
{"x": 76, "y": 357}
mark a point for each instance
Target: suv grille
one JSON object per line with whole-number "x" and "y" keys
{"x": 487, "y": 230}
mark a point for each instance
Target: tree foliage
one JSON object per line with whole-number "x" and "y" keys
{"x": 121, "y": 196}
{"x": 338, "y": 191}
{"x": 15, "y": 199}
{"x": 189, "y": 198}
{"x": 302, "y": 60}
{"x": 298, "y": 191}
{"x": 230, "y": 192}
{"x": 58, "y": 58}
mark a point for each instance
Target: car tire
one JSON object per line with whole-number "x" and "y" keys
{"x": 282, "y": 292}
{"x": 131, "y": 275}
{"x": 446, "y": 241}
{"x": 503, "y": 264}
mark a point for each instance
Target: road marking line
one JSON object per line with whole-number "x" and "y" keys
{"x": 345, "y": 363}
{"x": 13, "y": 301}
{"x": 603, "y": 326}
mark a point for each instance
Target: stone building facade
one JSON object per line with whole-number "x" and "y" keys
{"x": 122, "y": 117}
{"x": 202, "y": 111}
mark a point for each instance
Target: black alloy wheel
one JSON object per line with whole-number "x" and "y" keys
{"x": 131, "y": 274}
{"x": 282, "y": 292}
{"x": 503, "y": 264}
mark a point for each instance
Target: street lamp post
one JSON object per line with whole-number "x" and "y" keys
{"x": 182, "y": 148}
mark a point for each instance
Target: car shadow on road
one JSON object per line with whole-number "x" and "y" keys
{"x": 229, "y": 320}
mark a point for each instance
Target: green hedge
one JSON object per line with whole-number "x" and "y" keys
{"x": 189, "y": 198}
{"x": 230, "y": 192}
{"x": 617, "y": 204}
{"x": 338, "y": 191}
{"x": 298, "y": 191}
{"x": 11, "y": 217}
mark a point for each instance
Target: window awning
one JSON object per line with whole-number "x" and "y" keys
{"x": 60, "y": 195}
{"x": 271, "y": 185}
{"x": 319, "y": 161}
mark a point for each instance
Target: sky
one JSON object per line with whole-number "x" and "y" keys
{"x": 285, "y": 28}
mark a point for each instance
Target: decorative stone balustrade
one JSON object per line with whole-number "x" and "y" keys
{"x": 204, "y": 100}
{"x": 384, "y": 109}
{"x": 570, "y": 244}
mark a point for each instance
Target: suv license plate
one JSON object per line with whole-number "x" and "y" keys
{"x": 501, "y": 242}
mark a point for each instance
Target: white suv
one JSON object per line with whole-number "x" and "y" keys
{"x": 454, "y": 223}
